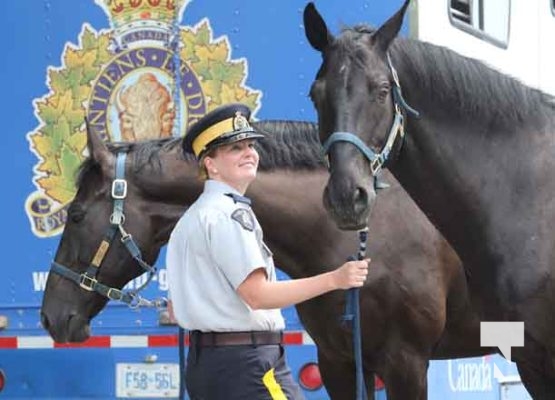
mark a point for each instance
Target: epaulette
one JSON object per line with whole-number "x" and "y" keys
{"x": 239, "y": 199}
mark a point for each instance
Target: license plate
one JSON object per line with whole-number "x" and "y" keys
{"x": 147, "y": 380}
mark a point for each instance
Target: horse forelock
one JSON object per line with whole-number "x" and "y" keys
{"x": 349, "y": 45}
{"x": 357, "y": 31}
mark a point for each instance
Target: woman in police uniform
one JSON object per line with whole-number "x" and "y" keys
{"x": 222, "y": 277}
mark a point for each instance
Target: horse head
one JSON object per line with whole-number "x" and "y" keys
{"x": 354, "y": 96}
{"x": 108, "y": 219}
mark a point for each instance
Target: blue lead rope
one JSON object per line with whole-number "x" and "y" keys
{"x": 175, "y": 46}
{"x": 352, "y": 316}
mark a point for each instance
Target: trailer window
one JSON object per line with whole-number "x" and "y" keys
{"x": 460, "y": 11}
{"x": 487, "y": 19}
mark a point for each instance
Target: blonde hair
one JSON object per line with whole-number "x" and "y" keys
{"x": 202, "y": 171}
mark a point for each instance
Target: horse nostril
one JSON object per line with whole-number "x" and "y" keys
{"x": 360, "y": 199}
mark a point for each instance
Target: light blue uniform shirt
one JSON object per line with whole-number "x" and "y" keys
{"x": 215, "y": 245}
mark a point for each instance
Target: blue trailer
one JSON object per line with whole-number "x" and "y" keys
{"x": 56, "y": 55}
{"x": 56, "y": 52}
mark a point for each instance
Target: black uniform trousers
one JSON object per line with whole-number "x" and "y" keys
{"x": 244, "y": 372}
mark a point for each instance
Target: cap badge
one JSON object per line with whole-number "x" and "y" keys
{"x": 240, "y": 123}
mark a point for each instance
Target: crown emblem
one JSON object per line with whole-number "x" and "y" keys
{"x": 240, "y": 123}
{"x": 144, "y": 20}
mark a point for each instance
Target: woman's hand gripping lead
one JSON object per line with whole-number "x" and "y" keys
{"x": 352, "y": 274}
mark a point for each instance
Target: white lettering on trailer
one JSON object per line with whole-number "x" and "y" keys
{"x": 470, "y": 376}
{"x": 161, "y": 277}
{"x": 39, "y": 280}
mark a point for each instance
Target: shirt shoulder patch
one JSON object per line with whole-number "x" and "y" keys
{"x": 244, "y": 217}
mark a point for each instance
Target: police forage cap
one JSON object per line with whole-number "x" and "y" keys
{"x": 223, "y": 125}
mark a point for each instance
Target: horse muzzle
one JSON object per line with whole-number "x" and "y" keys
{"x": 350, "y": 209}
{"x": 71, "y": 328}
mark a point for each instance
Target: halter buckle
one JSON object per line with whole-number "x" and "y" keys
{"x": 87, "y": 283}
{"x": 376, "y": 165}
{"x": 114, "y": 294}
{"x": 119, "y": 189}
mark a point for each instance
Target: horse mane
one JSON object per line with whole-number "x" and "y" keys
{"x": 290, "y": 145}
{"x": 459, "y": 85}
{"x": 286, "y": 145}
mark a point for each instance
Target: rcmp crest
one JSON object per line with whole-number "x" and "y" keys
{"x": 244, "y": 217}
{"x": 146, "y": 77}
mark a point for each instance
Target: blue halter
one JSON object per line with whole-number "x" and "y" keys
{"x": 377, "y": 160}
{"x": 88, "y": 280}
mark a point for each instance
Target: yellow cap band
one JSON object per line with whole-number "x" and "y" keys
{"x": 208, "y": 135}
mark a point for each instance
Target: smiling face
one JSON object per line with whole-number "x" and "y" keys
{"x": 234, "y": 164}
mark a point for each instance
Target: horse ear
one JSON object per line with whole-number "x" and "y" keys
{"x": 98, "y": 149}
{"x": 388, "y": 31}
{"x": 315, "y": 28}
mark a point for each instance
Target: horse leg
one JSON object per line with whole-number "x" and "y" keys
{"x": 405, "y": 376}
{"x": 537, "y": 371}
{"x": 339, "y": 377}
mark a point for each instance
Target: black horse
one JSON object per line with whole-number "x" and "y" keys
{"x": 479, "y": 161}
{"x": 414, "y": 305}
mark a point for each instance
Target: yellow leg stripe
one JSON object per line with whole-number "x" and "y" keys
{"x": 273, "y": 386}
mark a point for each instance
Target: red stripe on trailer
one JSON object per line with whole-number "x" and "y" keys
{"x": 93, "y": 341}
{"x": 293, "y": 338}
{"x": 165, "y": 340}
{"x": 122, "y": 341}
{"x": 8, "y": 342}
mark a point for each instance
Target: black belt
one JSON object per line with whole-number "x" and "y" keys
{"x": 252, "y": 338}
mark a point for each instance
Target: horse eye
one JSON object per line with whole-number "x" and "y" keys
{"x": 76, "y": 213}
{"x": 383, "y": 92}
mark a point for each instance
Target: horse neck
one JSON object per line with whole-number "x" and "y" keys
{"x": 289, "y": 208}
{"x": 470, "y": 173}
{"x": 168, "y": 189}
